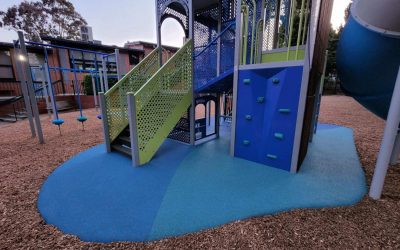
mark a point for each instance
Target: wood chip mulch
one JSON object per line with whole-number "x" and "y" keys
{"x": 24, "y": 166}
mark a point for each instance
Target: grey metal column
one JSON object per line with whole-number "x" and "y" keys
{"x": 45, "y": 92}
{"x": 96, "y": 105}
{"x": 25, "y": 92}
{"x": 394, "y": 159}
{"x": 52, "y": 98}
{"x": 101, "y": 80}
{"x": 235, "y": 76}
{"x": 192, "y": 107}
{"x": 133, "y": 129}
{"x": 31, "y": 90}
{"x": 158, "y": 30}
{"x": 389, "y": 137}
{"x": 219, "y": 39}
{"x": 104, "y": 118}
{"x": 119, "y": 74}
{"x": 104, "y": 67}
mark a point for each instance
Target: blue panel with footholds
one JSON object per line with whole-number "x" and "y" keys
{"x": 273, "y": 108}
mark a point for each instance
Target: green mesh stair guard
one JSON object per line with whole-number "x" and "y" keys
{"x": 162, "y": 100}
{"x": 115, "y": 98}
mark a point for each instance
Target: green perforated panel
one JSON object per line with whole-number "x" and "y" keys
{"x": 116, "y": 99}
{"x": 162, "y": 100}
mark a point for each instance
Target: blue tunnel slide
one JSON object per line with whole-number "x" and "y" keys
{"x": 368, "y": 54}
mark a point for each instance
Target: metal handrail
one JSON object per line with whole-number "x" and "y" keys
{"x": 214, "y": 40}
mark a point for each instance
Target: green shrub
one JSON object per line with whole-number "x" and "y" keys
{"x": 88, "y": 87}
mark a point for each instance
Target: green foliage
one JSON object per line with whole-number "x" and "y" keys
{"x": 88, "y": 86}
{"x": 334, "y": 37}
{"x": 56, "y": 18}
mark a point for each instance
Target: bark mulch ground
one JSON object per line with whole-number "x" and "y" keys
{"x": 24, "y": 166}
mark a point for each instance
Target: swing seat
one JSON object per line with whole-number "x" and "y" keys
{"x": 82, "y": 119}
{"x": 58, "y": 122}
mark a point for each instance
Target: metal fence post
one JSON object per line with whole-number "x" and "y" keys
{"x": 104, "y": 118}
{"x": 133, "y": 129}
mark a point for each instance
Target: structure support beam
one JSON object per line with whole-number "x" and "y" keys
{"x": 117, "y": 62}
{"x": 104, "y": 69}
{"x": 31, "y": 90}
{"x": 236, "y": 75}
{"x": 25, "y": 92}
{"x": 104, "y": 118}
{"x": 133, "y": 129}
{"x": 388, "y": 143}
{"x": 394, "y": 159}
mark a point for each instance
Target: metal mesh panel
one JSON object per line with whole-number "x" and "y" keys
{"x": 228, "y": 10}
{"x": 181, "y": 131}
{"x": 227, "y": 47}
{"x": 205, "y": 32}
{"x": 162, "y": 100}
{"x": 178, "y": 16}
{"x": 270, "y": 18}
{"x": 116, "y": 100}
{"x": 162, "y": 4}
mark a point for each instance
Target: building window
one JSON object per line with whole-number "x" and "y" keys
{"x": 88, "y": 61}
{"x": 6, "y": 68}
{"x": 133, "y": 59}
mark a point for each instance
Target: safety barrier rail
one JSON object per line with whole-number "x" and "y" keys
{"x": 116, "y": 105}
{"x": 206, "y": 63}
{"x": 160, "y": 103}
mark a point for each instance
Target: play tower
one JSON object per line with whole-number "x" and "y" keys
{"x": 246, "y": 62}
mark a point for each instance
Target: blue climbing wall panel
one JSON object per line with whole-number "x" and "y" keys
{"x": 266, "y": 115}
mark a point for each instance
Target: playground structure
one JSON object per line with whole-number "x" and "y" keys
{"x": 368, "y": 66}
{"x": 260, "y": 51}
{"x": 46, "y": 72}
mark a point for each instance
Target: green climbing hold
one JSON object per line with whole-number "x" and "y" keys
{"x": 275, "y": 80}
{"x": 247, "y": 81}
{"x": 246, "y": 142}
{"x": 272, "y": 157}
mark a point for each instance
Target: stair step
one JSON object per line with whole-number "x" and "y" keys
{"x": 123, "y": 149}
{"x": 125, "y": 140}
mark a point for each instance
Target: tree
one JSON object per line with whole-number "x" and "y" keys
{"x": 56, "y": 18}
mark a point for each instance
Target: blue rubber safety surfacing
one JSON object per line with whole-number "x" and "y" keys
{"x": 100, "y": 197}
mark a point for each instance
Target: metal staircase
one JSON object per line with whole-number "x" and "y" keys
{"x": 157, "y": 98}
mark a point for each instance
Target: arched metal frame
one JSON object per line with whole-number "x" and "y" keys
{"x": 167, "y": 11}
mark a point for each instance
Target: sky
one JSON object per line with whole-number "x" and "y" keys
{"x": 133, "y": 20}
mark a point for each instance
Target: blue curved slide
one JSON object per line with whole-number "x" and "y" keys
{"x": 368, "y": 54}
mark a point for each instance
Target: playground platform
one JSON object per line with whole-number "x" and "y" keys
{"x": 100, "y": 197}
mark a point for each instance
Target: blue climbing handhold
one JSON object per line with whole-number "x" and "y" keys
{"x": 260, "y": 99}
{"x": 58, "y": 122}
{"x": 82, "y": 118}
{"x": 278, "y": 136}
{"x": 284, "y": 111}
{"x": 247, "y": 81}
{"x": 275, "y": 80}
{"x": 272, "y": 157}
{"x": 99, "y": 117}
{"x": 246, "y": 142}
{"x": 249, "y": 117}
